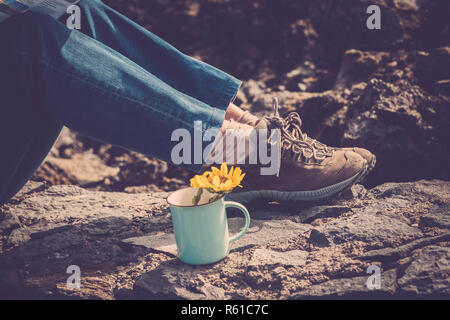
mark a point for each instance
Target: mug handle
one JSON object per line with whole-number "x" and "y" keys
{"x": 247, "y": 218}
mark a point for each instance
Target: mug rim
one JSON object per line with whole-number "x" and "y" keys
{"x": 189, "y": 206}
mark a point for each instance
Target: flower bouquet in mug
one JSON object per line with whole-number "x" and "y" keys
{"x": 217, "y": 181}
{"x": 199, "y": 216}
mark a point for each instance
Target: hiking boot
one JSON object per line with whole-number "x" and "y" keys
{"x": 251, "y": 120}
{"x": 367, "y": 155}
{"x": 309, "y": 170}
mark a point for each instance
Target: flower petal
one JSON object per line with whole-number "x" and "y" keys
{"x": 230, "y": 173}
{"x": 236, "y": 173}
{"x": 223, "y": 169}
{"x": 228, "y": 185}
{"x": 216, "y": 181}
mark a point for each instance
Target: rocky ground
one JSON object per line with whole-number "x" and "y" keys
{"x": 124, "y": 246}
{"x": 102, "y": 207}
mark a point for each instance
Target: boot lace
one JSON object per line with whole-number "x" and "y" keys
{"x": 295, "y": 144}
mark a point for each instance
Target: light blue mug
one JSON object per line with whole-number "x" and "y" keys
{"x": 201, "y": 231}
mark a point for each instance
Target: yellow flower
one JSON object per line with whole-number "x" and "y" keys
{"x": 219, "y": 180}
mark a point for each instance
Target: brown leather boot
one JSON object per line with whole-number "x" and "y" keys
{"x": 309, "y": 170}
{"x": 367, "y": 155}
{"x": 251, "y": 120}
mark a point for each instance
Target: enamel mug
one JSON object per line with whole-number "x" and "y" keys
{"x": 201, "y": 231}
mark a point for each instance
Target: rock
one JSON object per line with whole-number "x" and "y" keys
{"x": 358, "y": 191}
{"x": 176, "y": 282}
{"x": 439, "y": 218}
{"x": 434, "y": 191}
{"x": 318, "y": 239}
{"x": 137, "y": 169}
{"x": 240, "y": 97}
{"x": 125, "y": 247}
{"x": 260, "y": 232}
{"x": 357, "y": 66}
{"x": 407, "y": 4}
{"x": 83, "y": 168}
{"x": 164, "y": 242}
{"x": 368, "y": 226}
{"x": 392, "y": 104}
{"x": 18, "y": 236}
{"x": 252, "y": 89}
{"x": 428, "y": 275}
{"x": 66, "y": 145}
{"x": 443, "y": 86}
{"x": 376, "y": 95}
{"x": 392, "y": 254}
{"x": 9, "y": 282}
{"x": 263, "y": 232}
{"x": 314, "y": 107}
{"x": 8, "y": 223}
{"x": 433, "y": 65}
{"x": 40, "y": 232}
{"x": 383, "y": 216}
{"x": 309, "y": 214}
{"x": 266, "y": 257}
{"x": 71, "y": 205}
{"x": 307, "y": 77}
{"x": 28, "y": 188}
{"x": 351, "y": 288}
{"x": 86, "y": 225}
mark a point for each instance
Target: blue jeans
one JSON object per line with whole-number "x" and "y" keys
{"x": 113, "y": 81}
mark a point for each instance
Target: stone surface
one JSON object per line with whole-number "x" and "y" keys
{"x": 164, "y": 242}
{"x": 319, "y": 239}
{"x": 176, "y": 282}
{"x": 8, "y": 223}
{"x": 124, "y": 245}
{"x": 393, "y": 254}
{"x": 63, "y": 221}
{"x": 440, "y": 218}
{"x": 369, "y": 226}
{"x": 428, "y": 274}
{"x": 29, "y": 187}
{"x": 83, "y": 168}
{"x": 260, "y": 232}
{"x": 315, "y": 212}
{"x": 265, "y": 257}
{"x": 351, "y": 288}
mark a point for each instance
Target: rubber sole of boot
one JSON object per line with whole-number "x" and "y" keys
{"x": 295, "y": 196}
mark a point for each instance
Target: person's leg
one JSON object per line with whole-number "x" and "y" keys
{"x": 182, "y": 72}
{"x": 26, "y": 133}
{"x": 74, "y": 80}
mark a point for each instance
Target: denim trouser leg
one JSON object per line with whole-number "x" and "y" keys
{"x": 26, "y": 133}
{"x": 190, "y": 76}
{"x": 68, "y": 78}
